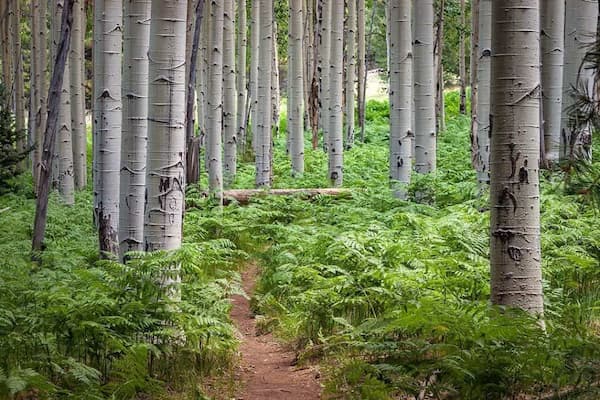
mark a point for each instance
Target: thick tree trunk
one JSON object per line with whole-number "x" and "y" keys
{"x": 400, "y": 95}
{"x": 553, "y": 45}
{"x": 254, "y": 61}
{"x": 335, "y": 136}
{"x": 350, "y": 77}
{"x": 229, "y": 95}
{"x": 54, "y": 96}
{"x": 516, "y": 275}
{"x": 462, "y": 62}
{"x": 64, "y": 147}
{"x": 241, "y": 84}
{"x": 580, "y": 31}
{"x": 425, "y": 135}
{"x": 295, "y": 110}
{"x": 324, "y": 71}
{"x": 263, "y": 137}
{"x": 76, "y": 62}
{"x": 136, "y": 40}
{"x": 165, "y": 179}
{"x": 215, "y": 102}
{"x": 362, "y": 67}
{"x": 108, "y": 119}
{"x": 484, "y": 69}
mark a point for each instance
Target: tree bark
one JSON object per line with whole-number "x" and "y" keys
{"x": 165, "y": 178}
{"x": 108, "y": 120}
{"x": 462, "y": 69}
{"x": 244, "y": 196}
{"x": 241, "y": 84}
{"x": 295, "y": 112}
{"x": 18, "y": 78}
{"x": 136, "y": 41}
{"x": 76, "y": 62}
{"x": 350, "y": 77}
{"x": 553, "y": 45}
{"x": 362, "y": 67}
{"x": 254, "y": 61}
{"x": 335, "y": 136}
{"x": 324, "y": 71}
{"x": 264, "y": 146}
{"x": 275, "y": 96}
{"x": 400, "y": 96}
{"x": 215, "y": 102}
{"x": 474, "y": 79}
{"x": 484, "y": 69}
{"x": 439, "y": 69}
{"x": 516, "y": 275}
{"x": 425, "y": 135}
{"x": 229, "y": 95}
{"x": 39, "y": 89}
{"x": 54, "y": 95}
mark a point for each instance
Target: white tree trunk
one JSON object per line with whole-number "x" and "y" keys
{"x": 275, "y": 96}
{"x": 254, "y": 60}
{"x": 263, "y": 135}
{"x": 39, "y": 86}
{"x": 242, "y": 44}
{"x": 165, "y": 179}
{"x": 335, "y": 136}
{"x": 295, "y": 112}
{"x": 400, "y": 96}
{"x": 350, "y": 84}
{"x": 76, "y": 62}
{"x": 215, "y": 102}
{"x": 516, "y": 275}
{"x": 324, "y": 64}
{"x": 362, "y": 67}
{"x": 580, "y": 31}
{"x": 553, "y": 45}
{"x": 229, "y": 94}
{"x": 136, "y": 40}
{"x": 18, "y": 79}
{"x": 107, "y": 118}
{"x": 484, "y": 70}
{"x": 425, "y": 135}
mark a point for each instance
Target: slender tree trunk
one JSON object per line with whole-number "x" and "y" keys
{"x": 165, "y": 178}
{"x": 64, "y": 146}
{"x": 553, "y": 44}
{"x": 350, "y": 85}
{"x": 307, "y": 56}
{"x": 229, "y": 94}
{"x": 335, "y": 135}
{"x": 108, "y": 119}
{"x": 425, "y": 136}
{"x": 314, "y": 74}
{"x": 580, "y": 31}
{"x": 324, "y": 62}
{"x": 254, "y": 61}
{"x": 462, "y": 69}
{"x": 136, "y": 40}
{"x": 19, "y": 93}
{"x": 50, "y": 134}
{"x": 263, "y": 137}
{"x": 474, "y": 79}
{"x": 39, "y": 85}
{"x": 76, "y": 60}
{"x": 6, "y": 52}
{"x": 484, "y": 69}
{"x": 275, "y": 96}
{"x": 215, "y": 102}
{"x": 241, "y": 84}
{"x": 202, "y": 66}
{"x": 362, "y": 67}
{"x": 295, "y": 110}
{"x": 514, "y": 190}
{"x": 400, "y": 95}
{"x": 439, "y": 68}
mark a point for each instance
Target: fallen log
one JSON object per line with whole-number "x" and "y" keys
{"x": 243, "y": 196}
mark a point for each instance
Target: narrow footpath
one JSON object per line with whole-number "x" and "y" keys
{"x": 267, "y": 370}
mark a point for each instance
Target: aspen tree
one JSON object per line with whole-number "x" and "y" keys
{"x": 474, "y": 80}
{"x": 229, "y": 94}
{"x": 324, "y": 71}
{"x": 350, "y": 83}
{"x": 553, "y": 45}
{"x": 462, "y": 65}
{"x": 263, "y": 137}
{"x": 136, "y": 40}
{"x": 307, "y": 56}
{"x": 424, "y": 90}
{"x": 39, "y": 87}
{"x": 18, "y": 78}
{"x": 254, "y": 60}
{"x": 296, "y": 87}
{"x": 76, "y": 63}
{"x": 516, "y": 275}
{"x": 215, "y": 102}
{"x": 580, "y": 32}
{"x": 362, "y": 67}
{"x": 275, "y": 96}
{"x": 484, "y": 68}
{"x": 335, "y": 134}
{"x": 241, "y": 83}
{"x": 165, "y": 177}
{"x": 439, "y": 68}
{"x": 107, "y": 121}
{"x": 400, "y": 95}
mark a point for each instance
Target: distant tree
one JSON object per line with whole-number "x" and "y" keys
{"x": 295, "y": 123}
{"x": 335, "y": 134}
{"x": 230, "y": 126}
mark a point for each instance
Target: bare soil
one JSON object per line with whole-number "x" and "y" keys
{"x": 267, "y": 370}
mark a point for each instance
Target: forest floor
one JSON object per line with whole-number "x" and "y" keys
{"x": 267, "y": 369}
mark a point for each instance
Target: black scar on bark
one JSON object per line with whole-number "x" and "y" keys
{"x": 508, "y": 195}
{"x": 334, "y": 175}
{"x": 514, "y": 253}
{"x": 523, "y": 174}
{"x": 106, "y": 235}
{"x": 513, "y": 160}
{"x": 503, "y": 234}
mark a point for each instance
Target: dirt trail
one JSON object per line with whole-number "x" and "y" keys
{"x": 266, "y": 370}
